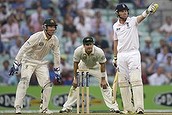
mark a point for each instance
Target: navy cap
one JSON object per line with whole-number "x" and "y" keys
{"x": 121, "y": 7}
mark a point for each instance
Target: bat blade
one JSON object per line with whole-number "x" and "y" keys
{"x": 114, "y": 87}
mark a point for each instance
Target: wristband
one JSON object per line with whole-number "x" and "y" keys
{"x": 145, "y": 13}
{"x": 103, "y": 74}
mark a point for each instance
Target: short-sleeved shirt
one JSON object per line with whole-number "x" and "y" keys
{"x": 91, "y": 61}
{"x": 37, "y": 47}
{"x": 127, "y": 35}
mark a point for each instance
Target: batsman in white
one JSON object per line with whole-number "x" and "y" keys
{"x": 127, "y": 56}
{"x": 91, "y": 58}
{"x": 31, "y": 58}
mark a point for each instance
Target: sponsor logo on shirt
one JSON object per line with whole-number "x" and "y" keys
{"x": 41, "y": 43}
{"x": 84, "y": 56}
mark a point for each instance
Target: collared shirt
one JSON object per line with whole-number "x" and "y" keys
{"x": 37, "y": 47}
{"x": 93, "y": 59}
{"x": 127, "y": 35}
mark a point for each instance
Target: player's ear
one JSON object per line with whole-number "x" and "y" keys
{"x": 116, "y": 13}
{"x": 44, "y": 27}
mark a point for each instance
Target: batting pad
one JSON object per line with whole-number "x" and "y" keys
{"x": 125, "y": 92}
{"x": 46, "y": 94}
{"x": 21, "y": 91}
{"x": 137, "y": 87}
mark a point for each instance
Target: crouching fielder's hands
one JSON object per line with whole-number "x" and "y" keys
{"x": 151, "y": 9}
{"x": 15, "y": 68}
{"x": 57, "y": 74}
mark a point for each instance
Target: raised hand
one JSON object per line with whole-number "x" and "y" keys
{"x": 152, "y": 8}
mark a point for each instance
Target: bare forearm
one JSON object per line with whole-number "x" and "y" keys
{"x": 140, "y": 18}
{"x": 75, "y": 69}
{"x": 115, "y": 47}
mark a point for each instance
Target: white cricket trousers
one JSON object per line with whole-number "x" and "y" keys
{"x": 106, "y": 93}
{"x": 129, "y": 66}
{"x": 42, "y": 74}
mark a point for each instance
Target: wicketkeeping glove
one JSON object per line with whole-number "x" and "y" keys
{"x": 57, "y": 74}
{"x": 14, "y": 69}
{"x": 114, "y": 61}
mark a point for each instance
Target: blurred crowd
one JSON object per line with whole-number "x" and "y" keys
{"x": 76, "y": 19}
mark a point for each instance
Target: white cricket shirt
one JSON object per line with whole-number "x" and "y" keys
{"x": 91, "y": 61}
{"x": 127, "y": 35}
{"x": 37, "y": 47}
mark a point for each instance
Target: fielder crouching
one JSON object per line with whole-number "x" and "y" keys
{"x": 91, "y": 58}
{"x": 31, "y": 58}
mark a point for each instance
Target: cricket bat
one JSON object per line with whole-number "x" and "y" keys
{"x": 114, "y": 87}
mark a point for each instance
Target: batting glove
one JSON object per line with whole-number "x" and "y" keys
{"x": 14, "y": 69}
{"x": 152, "y": 8}
{"x": 57, "y": 74}
{"x": 114, "y": 61}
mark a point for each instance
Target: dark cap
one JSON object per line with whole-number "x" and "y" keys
{"x": 50, "y": 22}
{"x": 121, "y": 7}
{"x": 88, "y": 40}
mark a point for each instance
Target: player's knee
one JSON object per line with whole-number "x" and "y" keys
{"x": 135, "y": 78}
{"x": 47, "y": 85}
{"x": 24, "y": 82}
{"x": 122, "y": 80}
{"x": 123, "y": 84}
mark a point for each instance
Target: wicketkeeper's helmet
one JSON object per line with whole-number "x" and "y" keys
{"x": 50, "y": 22}
{"x": 88, "y": 40}
{"x": 121, "y": 7}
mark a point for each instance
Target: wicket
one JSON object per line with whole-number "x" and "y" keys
{"x": 83, "y": 81}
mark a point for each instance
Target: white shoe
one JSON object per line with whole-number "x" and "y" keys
{"x": 47, "y": 111}
{"x": 140, "y": 111}
{"x": 18, "y": 109}
{"x": 67, "y": 110}
{"x": 112, "y": 110}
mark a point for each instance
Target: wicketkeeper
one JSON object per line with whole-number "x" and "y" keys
{"x": 31, "y": 59}
{"x": 91, "y": 58}
{"x": 127, "y": 57}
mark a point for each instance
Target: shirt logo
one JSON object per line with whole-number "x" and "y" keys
{"x": 28, "y": 43}
{"x": 51, "y": 45}
{"x": 41, "y": 43}
{"x": 94, "y": 58}
{"x": 117, "y": 29}
{"x": 84, "y": 56}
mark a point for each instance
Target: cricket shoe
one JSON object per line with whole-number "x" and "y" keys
{"x": 18, "y": 109}
{"x": 65, "y": 110}
{"x": 140, "y": 111}
{"x": 112, "y": 110}
{"x": 46, "y": 111}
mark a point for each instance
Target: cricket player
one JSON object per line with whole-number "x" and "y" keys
{"x": 31, "y": 58}
{"x": 127, "y": 57}
{"x": 91, "y": 58}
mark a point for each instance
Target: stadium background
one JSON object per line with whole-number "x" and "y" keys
{"x": 76, "y": 19}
